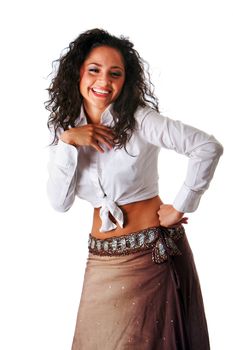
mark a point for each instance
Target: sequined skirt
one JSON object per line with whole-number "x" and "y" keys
{"x": 144, "y": 295}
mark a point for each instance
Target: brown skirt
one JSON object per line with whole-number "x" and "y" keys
{"x": 128, "y": 302}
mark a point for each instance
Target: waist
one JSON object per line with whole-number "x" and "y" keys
{"x": 160, "y": 239}
{"x": 137, "y": 216}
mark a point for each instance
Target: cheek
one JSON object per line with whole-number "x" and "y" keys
{"x": 84, "y": 84}
{"x": 120, "y": 86}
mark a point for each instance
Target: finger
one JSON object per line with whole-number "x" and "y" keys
{"x": 102, "y": 128}
{"x": 104, "y": 141}
{"x": 177, "y": 224}
{"x": 97, "y": 147}
{"x": 108, "y": 134}
{"x": 185, "y": 219}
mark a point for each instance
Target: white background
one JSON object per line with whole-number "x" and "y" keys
{"x": 188, "y": 45}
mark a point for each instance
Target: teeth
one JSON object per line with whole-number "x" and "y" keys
{"x": 99, "y": 91}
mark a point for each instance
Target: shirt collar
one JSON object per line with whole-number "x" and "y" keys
{"x": 106, "y": 117}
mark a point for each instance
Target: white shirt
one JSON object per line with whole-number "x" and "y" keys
{"x": 115, "y": 177}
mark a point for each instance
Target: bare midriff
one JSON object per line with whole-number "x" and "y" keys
{"x": 137, "y": 216}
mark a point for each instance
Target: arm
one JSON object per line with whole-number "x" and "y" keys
{"x": 63, "y": 161}
{"x": 203, "y": 151}
{"x": 62, "y": 168}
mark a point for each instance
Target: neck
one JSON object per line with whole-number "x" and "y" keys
{"x": 93, "y": 113}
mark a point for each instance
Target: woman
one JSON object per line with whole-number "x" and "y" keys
{"x": 141, "y": 288}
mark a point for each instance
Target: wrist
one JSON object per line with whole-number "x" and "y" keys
{"x": 178, "y": 213}
{"x": 66, "y": 137}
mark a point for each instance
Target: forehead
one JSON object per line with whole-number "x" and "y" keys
{"x": 105, "y": 55}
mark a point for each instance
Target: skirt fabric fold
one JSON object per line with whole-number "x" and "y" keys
{"x": 129, "y": 302}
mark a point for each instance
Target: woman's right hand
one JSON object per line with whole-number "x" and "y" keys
{"x": 89, "y": 135}
{"x": 170, "y": 217}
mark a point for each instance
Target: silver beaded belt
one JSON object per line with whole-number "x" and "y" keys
{"x": 161, "y": 239}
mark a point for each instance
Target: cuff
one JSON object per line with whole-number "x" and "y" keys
{"x": 66, "y": 154}
{"x": 187, "y": 200}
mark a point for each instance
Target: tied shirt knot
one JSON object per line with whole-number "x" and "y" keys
{"x": 109, "y": 206}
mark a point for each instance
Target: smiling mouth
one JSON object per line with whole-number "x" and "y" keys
{"x": 100, "y": 92}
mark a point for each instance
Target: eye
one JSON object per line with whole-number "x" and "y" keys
{"x": 93, "y": 70}
{"x": 116, "y": 74}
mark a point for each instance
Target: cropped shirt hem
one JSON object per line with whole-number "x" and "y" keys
{"x": 117, "y": 177}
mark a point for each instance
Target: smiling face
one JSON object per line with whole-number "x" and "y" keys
{"x": 102, "y": 76}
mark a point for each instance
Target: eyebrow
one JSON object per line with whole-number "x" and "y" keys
{"x": 100, "y": 65}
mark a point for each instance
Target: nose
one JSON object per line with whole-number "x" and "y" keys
{"x": 104, "y": 78}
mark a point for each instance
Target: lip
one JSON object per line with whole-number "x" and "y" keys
{"x": 101, "y": 92}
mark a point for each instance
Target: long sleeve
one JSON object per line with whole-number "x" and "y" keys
{"x": 62, "y": 168}
{"x": 203, "y": 151}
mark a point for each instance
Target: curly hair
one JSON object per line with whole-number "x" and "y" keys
{"x": 65, "y": 97}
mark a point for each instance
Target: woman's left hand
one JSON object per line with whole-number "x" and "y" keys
{"x": 170, "y": 217}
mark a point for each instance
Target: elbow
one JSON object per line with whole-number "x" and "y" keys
{"x": 59, "y": 207}
{"x": 221, "y": 149}
{"x": 57, "y": 202}
{"x": 218, "y": 149}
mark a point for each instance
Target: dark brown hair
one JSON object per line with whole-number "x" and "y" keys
{"x": 65, "y": 98}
